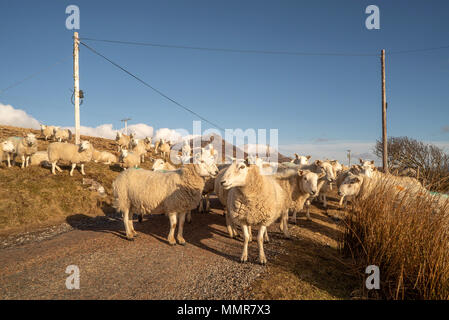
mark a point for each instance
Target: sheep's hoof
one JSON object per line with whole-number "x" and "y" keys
{"x": 172, "y": 242}
{"x": 243, "y": 260}
{"x": 263, "y": 261}
{"x": 182, "y": 242}
{"x": 129, "y": 238}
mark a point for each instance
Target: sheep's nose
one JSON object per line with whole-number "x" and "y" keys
{"x": 223, "y": 182}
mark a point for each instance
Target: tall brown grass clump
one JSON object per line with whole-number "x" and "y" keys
{"x": 406, "y": 238}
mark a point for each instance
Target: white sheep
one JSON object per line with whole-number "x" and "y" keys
{"x": 128, "y": 159}
{"x": 75, "y": 154}
{"x": 301, "y": 159}
{"x": 103, "y": 157}
{"x": 173, "y": 193}
{"x": 7, "y": 151}
{"x": 48, "y": 131}
{"x": 40, "y": 158}
{"x": 24, "y": 148}
{"x": 161, "y": 165}
{"x": 122, "y": 141}
{"x": 253, "y": 200}
{"x": 62, "y": 135}
{"x": 163, "y": 147}
{"x": 138, "y": 147}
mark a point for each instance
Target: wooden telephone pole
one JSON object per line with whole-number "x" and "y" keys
{"x": 76, "y": 85}
{"x": 126, "y": 124}
{"x": 384, "y": 116}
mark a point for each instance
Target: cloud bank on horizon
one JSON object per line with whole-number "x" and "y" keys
{"x": 318, "y": 150}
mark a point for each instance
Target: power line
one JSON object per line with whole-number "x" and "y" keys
{"x": 293, "y": 53}
{"x": 418, "y": 50}
{"x": 151, "y": 87}
{"x": 32, "y": 75}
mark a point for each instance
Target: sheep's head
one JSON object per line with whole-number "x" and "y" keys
{"x": 235, "y": 175}
{"x": 43, "y": 126}
{"x": 134, "y": 142}
{"x": 308, "y": 181}
{"x": 327, "y": 168}
{"x": 30, "y": 139}
{"x": 84, "y": 145}
{"x": 303, "y": 160}
{"x": 118, "y": 136}
{"x": 205, "y": 164}
{"x": 367, "y": 163}
{"x": 158, "y": 164}
{"x": 351, "y": 185}
{"x": 337, "y": 165}
{"x": 123, "y": 154}
{"x": 7, "y": 146}
{"x": 148, "y": 140}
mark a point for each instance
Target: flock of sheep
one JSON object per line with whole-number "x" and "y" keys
{"x": 253, "y": 192}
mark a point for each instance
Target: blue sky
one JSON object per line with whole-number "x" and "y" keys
{"x": 313, "y": 100}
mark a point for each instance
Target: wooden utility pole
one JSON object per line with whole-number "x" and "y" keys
{"x": 76, "y": 85}
{"x": 126, "y": 124}
{"x": 384, "y": 116}
{"x": 349, "y": 157}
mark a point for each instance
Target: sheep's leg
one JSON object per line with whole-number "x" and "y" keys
{"x": 294, "y": 216}
{"x": 324, "y": 201}
{"x": 129, "y": 234}
{"x": 131, "y": 225}
{"x": 53, "y": 166}
{"x": 9, "y": 160}
{"x": 284, "y": 225}
{"x": 171, "y": 234}
{"x": 189, "y": 217}
{"x": 181, "y": 218}
{"x": 73, "y": 168}
{"x": 250, "y": 234}
{"x": 57, "y": 167}
{"x": 308, "y": 211}
{"x": 23, "y": 162}
{"x": 229, "y": 226}
{"x": 341, "y": 200}
{"x": 207, "y": 203}
{"x": 266, "y": 238}
{"x": 82, "y": 169}
{"x": 27, "y": 159}
{"x": 244, "y": 256}
{"x": 200, "y": 207}
{"x": 260, "y": 236}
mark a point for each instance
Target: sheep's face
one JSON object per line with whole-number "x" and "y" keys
{"x": 7, "y": 146}
{"x": 365, "y": 163}
{"x": 337, "y": 166}
{"x": 30, "y": 139}
{"x": 205, "y": 164}
{"x": 147, "y": 140}
{"x": 235, "y": 175}
{"x": 123, "y": 154}
{"x": 350, "y": 186}
{"x": 85, "y": 145}
{"x": 158, "y": 164}
{"x": 134, "y": 142}
{"x": 301, "y": 159}
{"x": 308, "y": 181}
{"x": 328, "y": 169}
{"x": 43, "y": 126}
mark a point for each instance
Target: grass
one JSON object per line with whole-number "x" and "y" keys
{"x": 407, "y": 240}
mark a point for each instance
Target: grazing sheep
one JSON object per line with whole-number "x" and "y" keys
{"x": 138, "y": 147}
{"x": 161, "y": 165}
{"x": 122, "y": 141}
{"x": 7, "y": 150}
{"x": 62, "y": 135}
{"x": 75, "y": 154}
{"x": 48, "y": 131}
{"x": 40, "y": 158}
{"x": 24, "y": 148}
{"x": 173, "y": 193}
{"x": 301, "y": 159}
{"x": 253, "y": 200}
{"x": 103, "y": 157}
{"x": 128, "y": 159}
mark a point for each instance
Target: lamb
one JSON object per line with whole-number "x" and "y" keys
{"x": 128, "y": 159}
{"x": 253, "y": 200}
{"x": 173, "y": 193}
{"x": 122, "y": 141}
{"x": 62, "y": 135}
{"x": 138, "y": 147}
{"x": 24, "y": 148}
{"x": 7, "y": 150}
{"x": 161, "y": 165}
{"x": 301, "y": 159}
{"x": 103, "y": 157}
{"x": 75, "y": 154}
{"x": 48, "y": 131}
{"x": 40, "y": 158}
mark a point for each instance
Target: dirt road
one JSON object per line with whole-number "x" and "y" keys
{"x": 111, "y": 267}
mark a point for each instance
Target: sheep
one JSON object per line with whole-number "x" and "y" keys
{"x": 7, "y": 150}
{"x": 75, "y": 154}
{"x": 128, "y": 159}
{"x": 301, "y": 159}
{"x": 24, "y": 148}
{"x": 103, "y": 157}
{"x": 138, "y": 147}
{"x": 40, "y": 158}
{"x": 148, "y": 145}
{"x": 122, "y": 141}
{"x": 48, "y": 131}
{"x": 163, "y": 147}
{"x": 161, "y": 165}
{"x": 253, "y": 200}
{"x": 62, "y": 135}
{"x": 173, "y": 193}
{"x": 367, "y": 163}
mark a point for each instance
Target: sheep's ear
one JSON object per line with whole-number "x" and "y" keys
{"x": 247, "y": 162}
{"x": 308, "y": 157}
{"x": 361, "y": 160}
{"x": 372, "y": 161}
{"x": 296, "y": 156}
{"x": 318, "y": 162}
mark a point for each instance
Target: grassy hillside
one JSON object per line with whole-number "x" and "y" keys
{"x": 33, "y": 197}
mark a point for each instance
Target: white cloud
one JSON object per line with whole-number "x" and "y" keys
{"x": 141, "y": 130}
{"x": 168, "y": 135}
{"x": 17, "y": 118}
{"x": 260, "y": 149}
